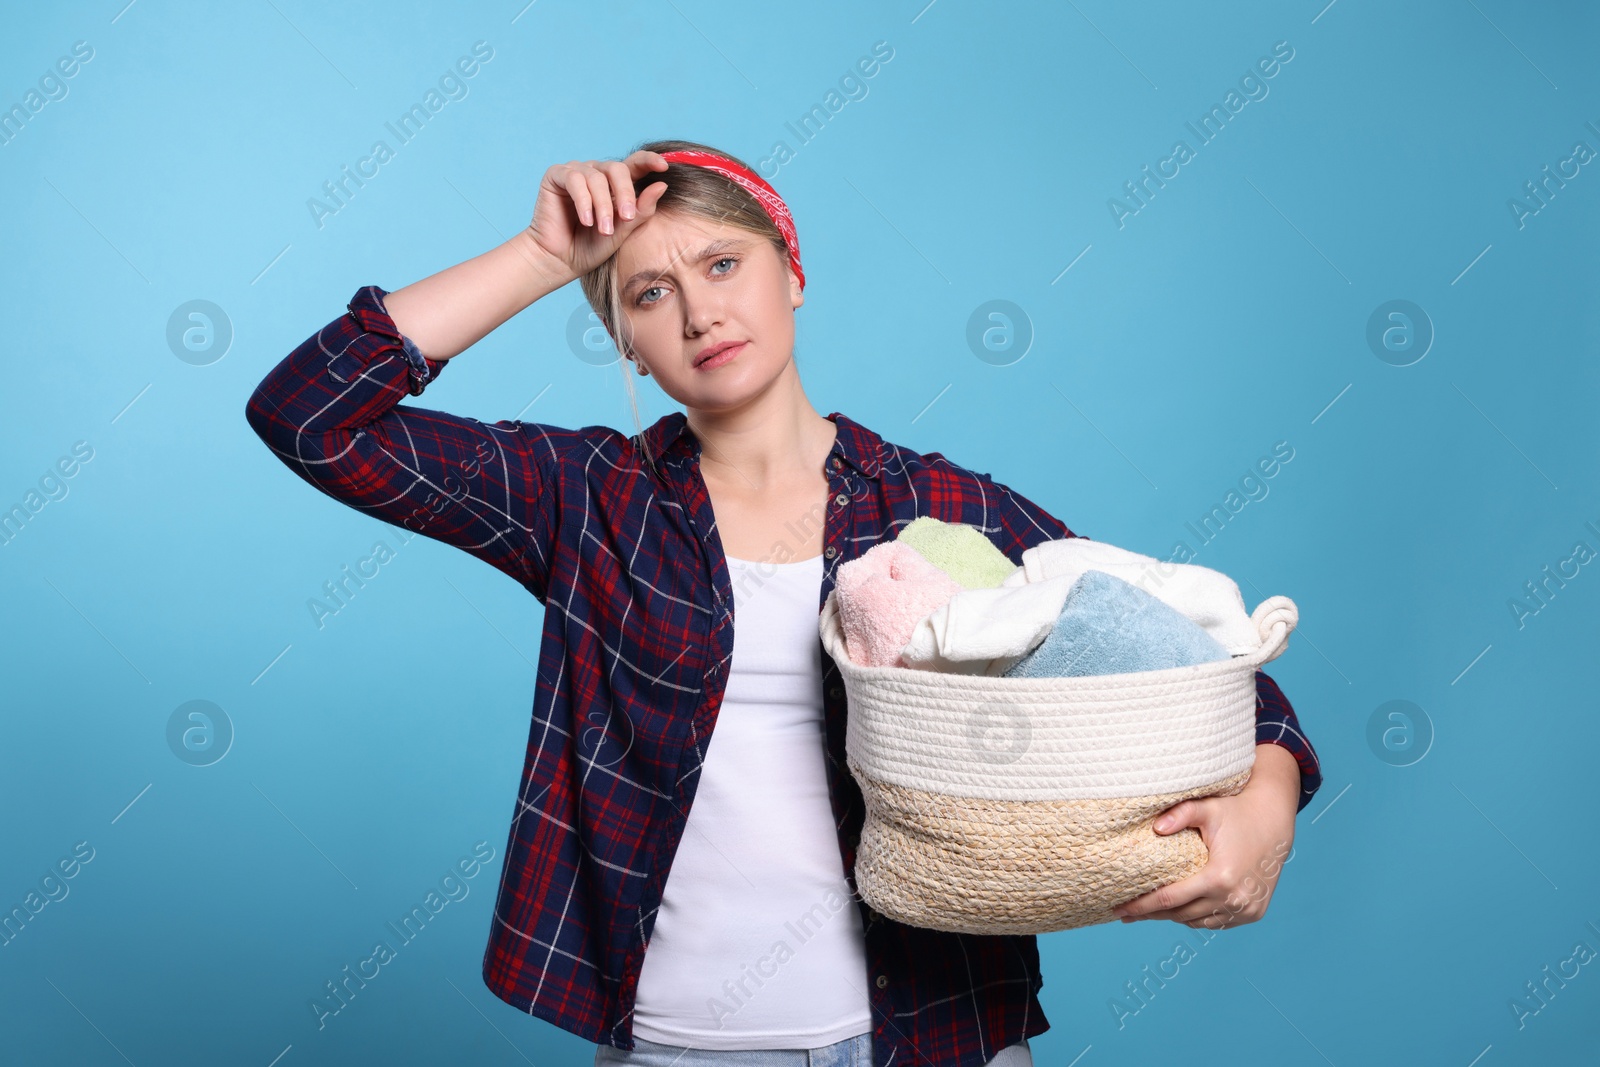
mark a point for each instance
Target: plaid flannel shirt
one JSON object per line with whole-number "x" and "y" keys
{"x": 637, "y": 642}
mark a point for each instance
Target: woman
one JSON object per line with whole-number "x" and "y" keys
{"x": 640, "y": 548}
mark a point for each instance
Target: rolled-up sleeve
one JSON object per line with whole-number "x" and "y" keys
{"x": 1277, "y": 724}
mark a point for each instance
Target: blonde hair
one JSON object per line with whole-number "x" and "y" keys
{"x": 691, "y": 190}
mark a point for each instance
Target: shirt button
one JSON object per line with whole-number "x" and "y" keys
{"x": 883, "y": 980}
{"x": 834, "y": 463}
{"x": 830, "y": 552}
{"x": 841, "y": 500}
{"x": 836, "y": 692}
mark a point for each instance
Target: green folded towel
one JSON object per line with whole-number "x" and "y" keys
{"x": 961, "y": 551}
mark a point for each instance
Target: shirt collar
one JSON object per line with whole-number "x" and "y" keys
{"x": 854, "y": 444}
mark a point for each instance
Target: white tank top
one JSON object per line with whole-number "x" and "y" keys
{"x": 757, "y": 944}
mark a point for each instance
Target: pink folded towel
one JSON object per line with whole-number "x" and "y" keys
{"x": 882, "y": 595}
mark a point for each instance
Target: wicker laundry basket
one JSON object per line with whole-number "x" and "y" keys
{"x": 1025, "y": 805}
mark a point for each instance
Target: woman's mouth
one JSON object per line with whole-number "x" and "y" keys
{"x": 723, "y": 354}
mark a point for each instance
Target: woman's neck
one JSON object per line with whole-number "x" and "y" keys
{"x": 768, "y": 441}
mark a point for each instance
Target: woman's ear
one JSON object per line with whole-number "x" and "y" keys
{"x": 626, "y": 355}
{"x": 631, "y": 357}
{"x": 797, "y": 295}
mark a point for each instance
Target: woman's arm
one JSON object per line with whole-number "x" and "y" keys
{"x": 329, "y": 411}
{"x": 584, "y": 211}
{"x": 446, "y": 313}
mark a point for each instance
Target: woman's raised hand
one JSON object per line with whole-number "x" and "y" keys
{"x": 586, "y": 208}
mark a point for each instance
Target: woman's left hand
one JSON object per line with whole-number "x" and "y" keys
{"x": 1248, "y": 836}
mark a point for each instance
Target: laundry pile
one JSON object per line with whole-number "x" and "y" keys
{"x": 942, "y": 597}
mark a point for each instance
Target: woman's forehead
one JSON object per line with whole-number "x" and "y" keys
{"x": 668, "y": 238}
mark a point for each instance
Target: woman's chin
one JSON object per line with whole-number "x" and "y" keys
{"x": 727, "y": 393}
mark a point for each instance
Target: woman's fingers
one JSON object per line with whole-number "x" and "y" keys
{"x": 577, "y": 187}
{"x": 1160, "y": 902}
{"x": 621, "y": 188}
{"x": 650, "y": 197}
{"x": 601, "y": 191}
{"x": 585, "y": 208}
{"x": 632, "y": 209}
{"x": 1180, "y": 816}
{"x": 641, "y": 163}
{"x": 611, "y": 189}
{"x": 600, "y": 194}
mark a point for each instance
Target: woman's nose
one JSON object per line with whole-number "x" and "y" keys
{"x": 702, "y": 310}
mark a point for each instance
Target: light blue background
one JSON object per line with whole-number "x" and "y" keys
{"x": 1228, "y": 314}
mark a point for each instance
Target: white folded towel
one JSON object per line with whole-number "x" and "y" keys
{"x": 986, "y": 631}
{"x": 1208, "y": 597}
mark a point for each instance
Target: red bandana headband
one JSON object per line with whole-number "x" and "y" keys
{"x": 753, "y": 184}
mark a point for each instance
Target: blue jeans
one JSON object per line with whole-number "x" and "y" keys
{"x": 851, "y": 1052}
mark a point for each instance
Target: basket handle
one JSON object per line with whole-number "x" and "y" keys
{"x": 829, "y": 628}
{"x": 1274, "y": 618}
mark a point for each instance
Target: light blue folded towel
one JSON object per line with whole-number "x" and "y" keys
{"x": 1108, "y": 626}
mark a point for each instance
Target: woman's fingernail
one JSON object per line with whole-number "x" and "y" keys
{"x": 627, "y": 212}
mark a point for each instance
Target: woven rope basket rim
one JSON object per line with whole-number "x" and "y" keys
{"x": 1098, "y": 736}
{"x": 1274, "y": 618}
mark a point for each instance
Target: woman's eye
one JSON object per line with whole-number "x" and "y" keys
{"x": 644, "y": 296}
